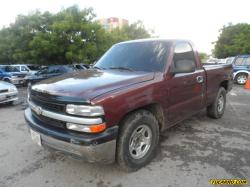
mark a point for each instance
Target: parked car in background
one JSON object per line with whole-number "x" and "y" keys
{"x": 48, "y": 72}
{"x": 116, "y": 110}
{"x": 8, "y": 92}
{"x": 11, "y": 74}
{"x": 27, "y": 68}
{"x": 241, "y": 67}
{"x": 212, "y": 61}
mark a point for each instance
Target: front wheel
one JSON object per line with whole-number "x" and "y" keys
{"x": 138, "y": 140}
{"x": 217, "y": 108}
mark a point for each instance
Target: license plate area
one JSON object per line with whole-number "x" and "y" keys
{"x": 36, "y": 137}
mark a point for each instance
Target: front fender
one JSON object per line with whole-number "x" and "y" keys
{"x": 119, "y": 103}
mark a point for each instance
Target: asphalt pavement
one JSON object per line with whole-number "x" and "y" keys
{"x": 189, "y": 155}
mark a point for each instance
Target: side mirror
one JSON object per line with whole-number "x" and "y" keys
{"x": 183, "y": 66}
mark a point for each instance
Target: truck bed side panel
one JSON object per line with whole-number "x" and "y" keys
{"x": 216, "y": 75}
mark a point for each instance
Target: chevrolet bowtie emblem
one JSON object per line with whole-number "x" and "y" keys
{"x": 38, "y": 110}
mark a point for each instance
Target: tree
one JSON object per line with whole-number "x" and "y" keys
{"x": 130, "y": 32}
{"x": 233, "y": 40}
{"x": 203, "y": 57}
{"x": 68, "y": 36}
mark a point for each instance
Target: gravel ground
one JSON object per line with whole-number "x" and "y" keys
{"x": 190, "y": 154}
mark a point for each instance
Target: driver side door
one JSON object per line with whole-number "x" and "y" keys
{"x": 186, "y": 90}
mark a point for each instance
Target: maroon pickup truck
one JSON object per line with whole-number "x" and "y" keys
{"x": 116, "y": 111}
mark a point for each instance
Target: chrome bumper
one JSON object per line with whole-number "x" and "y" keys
{"x": 104, "y": 153}
{"x": 99, "y": 147}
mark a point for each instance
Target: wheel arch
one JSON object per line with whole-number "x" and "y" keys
{"x": 239, "y": 72}
{"x": 225, "y": 84}
{"x": 154, "y": 108}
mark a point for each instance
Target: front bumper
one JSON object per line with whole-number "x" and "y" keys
{"x": 8, "y": 97}
{"x": 99, "y": 147}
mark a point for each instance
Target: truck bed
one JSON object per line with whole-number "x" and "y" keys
{"x": 215, "y": 74}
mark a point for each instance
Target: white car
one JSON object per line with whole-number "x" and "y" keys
{"x": 27, "y": 68}
{"x": 8, "y": 92}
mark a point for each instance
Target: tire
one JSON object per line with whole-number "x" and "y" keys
{"x": 241, "y": 78}
{"x": 140, "y": 122}
{"x": 216, "y": 110}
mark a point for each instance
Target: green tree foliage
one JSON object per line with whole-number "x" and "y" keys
{"x": 233, "y": 40}
{"x": 68, "y": 36}
{"x": 203, "y": 57}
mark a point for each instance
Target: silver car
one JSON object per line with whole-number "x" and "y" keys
{"x": 8, "y": 92}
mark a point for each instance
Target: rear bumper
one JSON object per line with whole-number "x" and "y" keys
{"x": 99, "y": 147}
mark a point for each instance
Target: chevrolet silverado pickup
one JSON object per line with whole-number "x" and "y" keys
{"x": 116, "y": 110}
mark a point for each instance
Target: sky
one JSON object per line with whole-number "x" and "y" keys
{"x": 195, "y": 20}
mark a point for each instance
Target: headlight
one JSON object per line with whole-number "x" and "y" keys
{"x": 84, "y": 110}
{"x": 85, "y": 128}
{"x": 12, "y": 89}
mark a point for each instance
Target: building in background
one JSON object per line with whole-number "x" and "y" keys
{"x": 112, "y": 23}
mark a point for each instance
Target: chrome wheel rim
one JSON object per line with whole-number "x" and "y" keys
{"x": 242, "y": 79}
{"x": 220, "y": 104}
{"x": 140, "y": 142}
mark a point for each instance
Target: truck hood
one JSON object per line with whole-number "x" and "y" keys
{"x": 89, "y": 84}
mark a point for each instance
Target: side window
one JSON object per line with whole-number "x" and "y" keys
{"x": 62, "y": 70}
{"x": 51, "y": 70}
{"x": 247, "y": 62}
{"x": 24, "y": 68}
{"x": 183, "y": 53}
{"x": 239, "y": 61}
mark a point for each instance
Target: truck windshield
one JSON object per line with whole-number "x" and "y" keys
{"x": 149, "y": 56}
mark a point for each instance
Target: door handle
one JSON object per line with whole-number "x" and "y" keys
{"x": 199, "y": 79}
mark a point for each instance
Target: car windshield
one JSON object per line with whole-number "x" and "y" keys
{"x": 149, "y": 56}
{"x": 33, "y": 68}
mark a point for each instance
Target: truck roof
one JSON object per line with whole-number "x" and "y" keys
{"x": 156, "y": 40}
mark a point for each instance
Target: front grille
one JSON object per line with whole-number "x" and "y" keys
{"x": 48, "y": 105}
{"x": 49, "y": 121}
{"x": 43, "y": 101}
{"x": 3, "y": 91}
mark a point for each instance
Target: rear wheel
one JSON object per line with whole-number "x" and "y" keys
{"x": 241, "y": 78}
{"x": 216, "y": 110}
{"x": 138, "y": 140}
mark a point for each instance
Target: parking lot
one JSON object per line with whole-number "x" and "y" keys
{"x": 191, "y": 154}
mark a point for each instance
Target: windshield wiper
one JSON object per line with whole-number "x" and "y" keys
{"x": 122, "y": 68}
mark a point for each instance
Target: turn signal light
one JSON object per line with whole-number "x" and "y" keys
{"x": 86, "y": 128}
